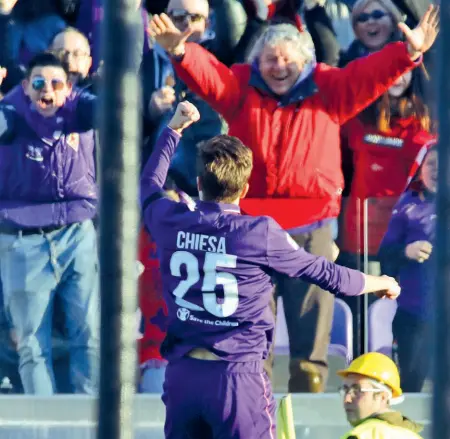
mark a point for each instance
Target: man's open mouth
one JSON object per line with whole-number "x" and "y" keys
{"x": 45, "y": 102}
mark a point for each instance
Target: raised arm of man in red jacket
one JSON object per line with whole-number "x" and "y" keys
{"x": 347, "y": 91}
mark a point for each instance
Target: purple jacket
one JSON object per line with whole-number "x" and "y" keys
{"x": 47, "y": 165}
{"x": 217, "y": 267}
{"x": 413, "y": 219}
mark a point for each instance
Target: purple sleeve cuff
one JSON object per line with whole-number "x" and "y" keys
{"x": 356, "y": 283}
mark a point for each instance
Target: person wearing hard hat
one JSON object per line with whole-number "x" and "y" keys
{"x": 371, "y": 385}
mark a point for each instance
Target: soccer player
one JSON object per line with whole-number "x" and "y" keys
{"x": 216, "y": 266}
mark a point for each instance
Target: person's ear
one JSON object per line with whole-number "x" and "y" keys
{"x": 25, "y": 84}
{"x": 244, "y": 191}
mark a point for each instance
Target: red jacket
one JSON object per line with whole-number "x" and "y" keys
{"x": 151, "y": 302}
{"x": 381, "y": 163}
{"x": 297, "y": 177}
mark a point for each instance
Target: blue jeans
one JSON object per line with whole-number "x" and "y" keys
{"x": 152, "y": 380}
{"x": 35, "y": 268}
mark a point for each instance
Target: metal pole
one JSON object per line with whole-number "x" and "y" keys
{"x": 441, "y": 385}
{"x": 120, "y": 134}
{"x": 359, "y": 303}
{"x": 365, "y": 298}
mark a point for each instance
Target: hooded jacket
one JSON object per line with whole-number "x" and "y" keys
{"x": 47, "y": 165}
{"x": 413, "y": 219}
{"x": 389, "y": 425}
{"x": 297, "y": 177}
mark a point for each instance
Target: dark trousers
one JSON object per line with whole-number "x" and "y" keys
{"x": 309, "y": 313}
{"x": 413, "y": 349}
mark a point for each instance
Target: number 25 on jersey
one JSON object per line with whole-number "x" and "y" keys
{"x": 212, "y": 278}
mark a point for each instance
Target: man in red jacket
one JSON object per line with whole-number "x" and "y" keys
{"x": 289, "y": 110}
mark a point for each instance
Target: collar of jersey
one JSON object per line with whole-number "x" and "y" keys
{"x": 218, "y": 207}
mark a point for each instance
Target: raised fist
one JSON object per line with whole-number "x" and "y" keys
{"x": 185, "y": 115}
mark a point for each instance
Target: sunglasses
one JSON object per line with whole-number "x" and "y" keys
{"x": 38, "y": 83}
{"x": 375, "y": 15}
{"x": 182, "y": 16}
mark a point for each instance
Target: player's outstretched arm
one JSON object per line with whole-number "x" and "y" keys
{"x": 382, "y": 286}
{"x": 286, "y": 257}
{"x": 155, "y": 171}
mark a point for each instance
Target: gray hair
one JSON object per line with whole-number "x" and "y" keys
{"x": 280, "y": 33}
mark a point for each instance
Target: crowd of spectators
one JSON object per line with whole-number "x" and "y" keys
{"x": 341, "y": 136}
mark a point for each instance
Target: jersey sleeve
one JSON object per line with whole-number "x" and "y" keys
{"x": 155, "y": 205}
{"x": 286, "y": 257}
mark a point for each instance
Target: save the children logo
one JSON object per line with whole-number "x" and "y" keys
{"x": 34, "y": 153}
{"x": 183, "y": 314}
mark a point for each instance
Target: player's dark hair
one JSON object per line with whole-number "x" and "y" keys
{"x": 46, "y": 59}
{"x": 224, "y": 165}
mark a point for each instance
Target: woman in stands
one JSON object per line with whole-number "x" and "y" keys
{"x": 383, "y": 142}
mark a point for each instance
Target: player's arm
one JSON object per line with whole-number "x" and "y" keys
{"x": 286, "y": 257}
{"x": 155, "y": 171}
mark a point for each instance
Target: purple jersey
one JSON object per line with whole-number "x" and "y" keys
{"x": 217, "y": 268}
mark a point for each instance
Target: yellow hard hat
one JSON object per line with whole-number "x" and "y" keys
{"x": 378, "y": 367}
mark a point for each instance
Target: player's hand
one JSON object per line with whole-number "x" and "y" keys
{"x": 185, "y": 115}
{"x": 419, "y": 251}
{"x": 422, "y": 37}
{"x": 162, "y": 100}
{"x": 391, "y": 290}
{"x": 3, "y": 73}
{"x": 166, "y": 34}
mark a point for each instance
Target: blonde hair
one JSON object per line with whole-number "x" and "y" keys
{"x": 393, "y": 11}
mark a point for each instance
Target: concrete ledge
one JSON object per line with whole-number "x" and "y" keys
{"x": 74, "y": 417}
